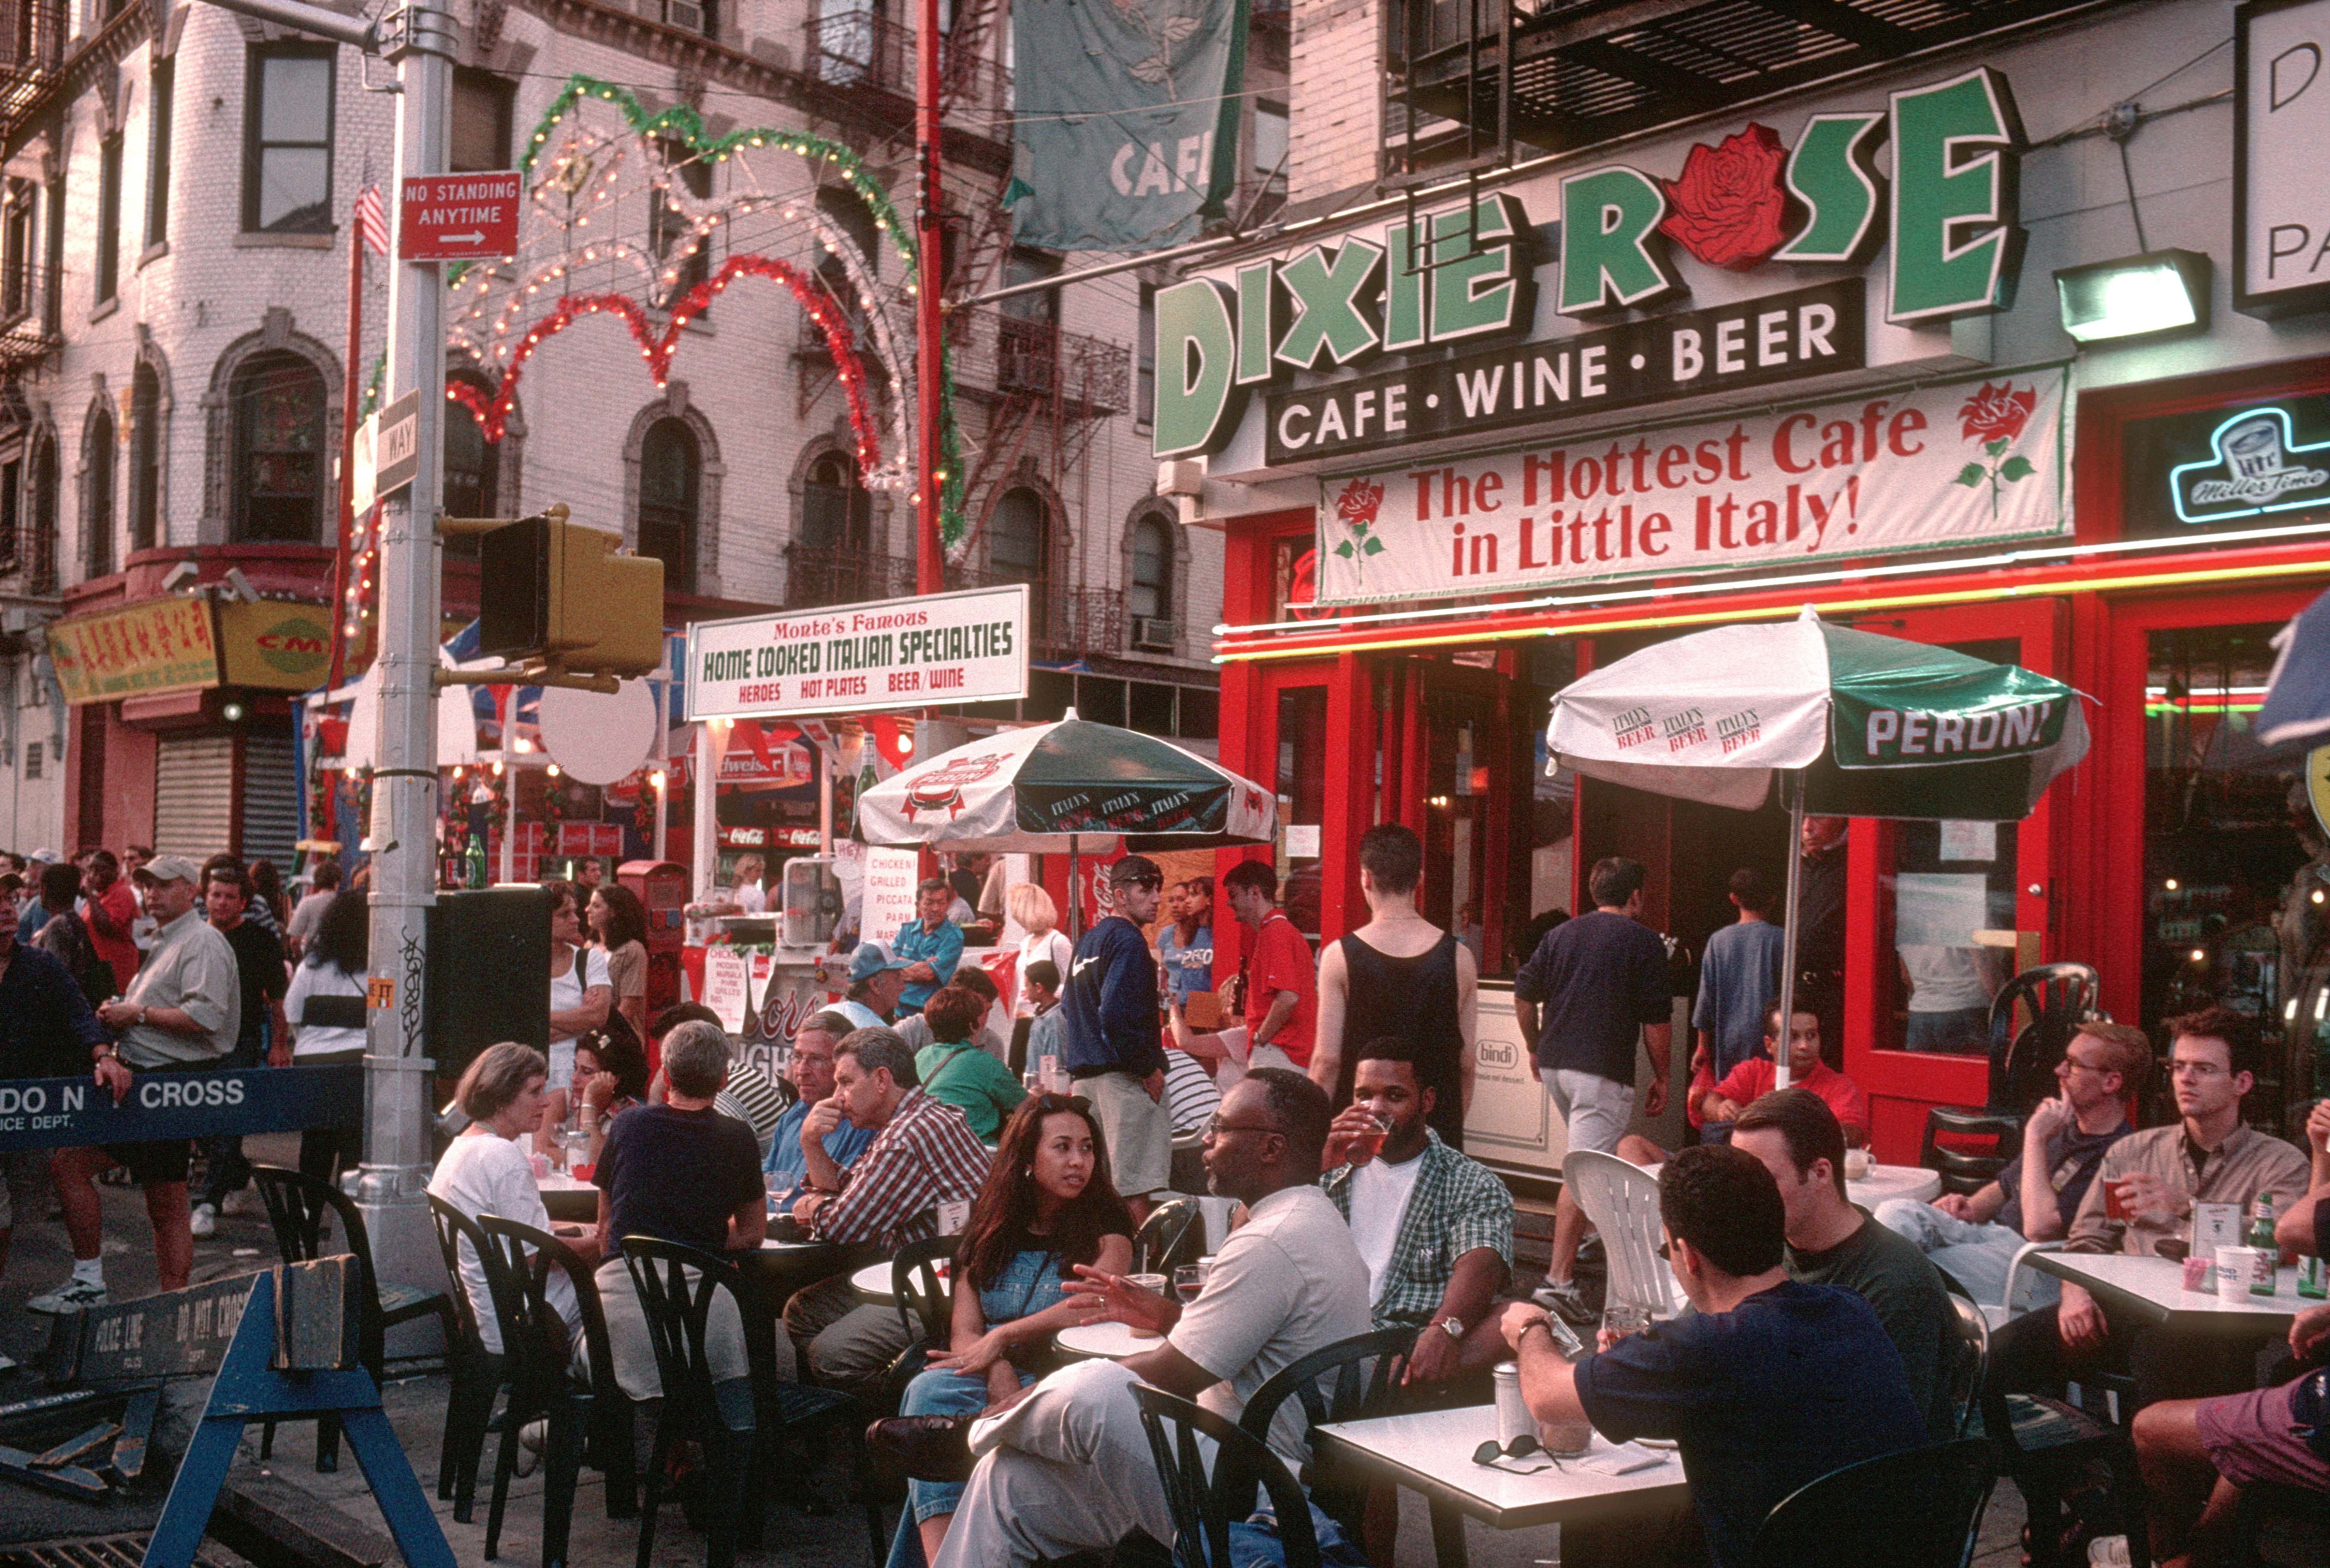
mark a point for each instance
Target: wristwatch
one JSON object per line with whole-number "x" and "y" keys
{"x": 1453, "y": 1327}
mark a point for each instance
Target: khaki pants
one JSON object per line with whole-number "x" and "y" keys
{"x": 847, "y": 1342}
{"x": 633, "y": 1349}
{"x": 1137, "y": 1129}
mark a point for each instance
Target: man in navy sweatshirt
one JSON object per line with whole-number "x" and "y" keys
{"x": 1112, "y": 1048}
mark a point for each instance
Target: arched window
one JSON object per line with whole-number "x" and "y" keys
{"x": 278, "y": 481}
{"x": 97, "y": 492}
{"x": 1150, "y": 595}
{"x": 831, "y": 559}
{"x": 672, "y": 472}
{"x": 145, "y": 457}
{"x": 472, "y": 469}
{"x": 40, "y": 571}
{"x": 1019, "y": 549}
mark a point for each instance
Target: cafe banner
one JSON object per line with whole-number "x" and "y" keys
{"x": 1932, "y": 467}
{"x": 966, "y": 647}
{"x": 163, "y": 644}
{"x": 1125, "y": 119}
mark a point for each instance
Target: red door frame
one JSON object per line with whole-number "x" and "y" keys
{"x": 1901, "y": 1084}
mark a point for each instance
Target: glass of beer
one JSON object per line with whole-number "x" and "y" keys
{"x": 1155, "y": 1282}
{"x": 1368, "y": 1145}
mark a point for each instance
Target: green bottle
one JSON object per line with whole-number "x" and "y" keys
{"x": 2267, "y": 1278}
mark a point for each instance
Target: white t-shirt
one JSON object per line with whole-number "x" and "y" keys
{"x": 566, "y": 991}
{"x": 484, "y": 1174}
{"x": 311, "y": 979}
{"x": 1286, "y": 1283}
{"x": 1051, "y": 944}
{"x": 1379, "y": 1192}
{"x": 753, "y": 898}
{"x": 1943, "y": 979}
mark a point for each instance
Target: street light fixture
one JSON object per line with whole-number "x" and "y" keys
{"x": 2158, "y": 291}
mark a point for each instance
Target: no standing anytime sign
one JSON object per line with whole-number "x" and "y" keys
{"x": 458, "y": 217}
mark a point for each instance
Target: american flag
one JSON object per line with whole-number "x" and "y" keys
{"x": 372, "y": 220}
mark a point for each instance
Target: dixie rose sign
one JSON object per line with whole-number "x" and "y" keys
{"x": 1936, "y": 467}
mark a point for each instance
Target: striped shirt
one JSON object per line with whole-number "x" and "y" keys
{"x": 926, "y": 1156}
{"x": 754, "y": 1098}
{"x": 1457, "y": 1207}
{"x": 1190, "y": 1097}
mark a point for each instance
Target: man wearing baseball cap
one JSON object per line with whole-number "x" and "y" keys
{"x": 1111, "y": 1045}
{"x": 875, "y": 976}
{"x": 181, "y": 1014}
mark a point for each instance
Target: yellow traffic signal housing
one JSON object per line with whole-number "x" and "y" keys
{"x": 568, "y": 596}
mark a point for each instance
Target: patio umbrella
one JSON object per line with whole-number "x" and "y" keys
{"x": 1073, "y": 787}
{"x": 2297, "y": 693}
{"x": 1862, "y": 725}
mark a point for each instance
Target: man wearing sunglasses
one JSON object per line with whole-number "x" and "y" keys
{"x": 1064, "y": 1468}
{"x": 1770, "y": 1383}
{"x": 1974, "y": 1239}
{"x": 1110, "y": 1042}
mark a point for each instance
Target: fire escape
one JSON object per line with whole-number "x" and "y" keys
{"x": 1024, "y": 387}
{"x": 1472, "y": 77}
{"x": 31, "y": 60}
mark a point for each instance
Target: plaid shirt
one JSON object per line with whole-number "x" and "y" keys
{"x": 1456, "y": 1207}
{"x": 926, "y": 1156}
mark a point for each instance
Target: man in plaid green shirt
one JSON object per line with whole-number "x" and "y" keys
{"x": 1435, "y": 1229}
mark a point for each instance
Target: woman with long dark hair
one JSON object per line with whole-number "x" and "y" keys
{"x": 325, "y": 1008}
{"x": 610, "y": 1076}
{"x": 619, "y": 923}
{"x": 1047, "y": 1206}
{"x": 581, "y": 997}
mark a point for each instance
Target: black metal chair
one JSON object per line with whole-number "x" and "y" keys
{"x": 1350, "y": 1380}
{"x": 1969, "y": 1364}
{"x": 296, "y": 1207}
{"x": 1204, "y": 1506}
{"x": 470, "y": 1408}
{"x": 2049, "y": 1449}
{"x": 1174, "y": 1234}
{"x": 1919, "y": 1509}
{"x": 608, "y": 1442}
{"x": 2059, "y": 998}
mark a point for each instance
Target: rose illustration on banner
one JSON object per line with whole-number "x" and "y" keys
{"x": 1993, "y": 411}
{"x": 1728, "y": 207}
{"x": 1357, "y": 505}
{"x": 1994, "y": 416}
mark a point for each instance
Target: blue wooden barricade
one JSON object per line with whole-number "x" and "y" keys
{"x": 76, "y": 1113}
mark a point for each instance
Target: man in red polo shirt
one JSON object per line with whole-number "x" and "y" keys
{"x": 1755, "y": 1077}
{"x": 1278, "y": 984}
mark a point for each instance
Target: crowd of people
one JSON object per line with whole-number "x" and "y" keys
{"x": 1032, "y": 1114}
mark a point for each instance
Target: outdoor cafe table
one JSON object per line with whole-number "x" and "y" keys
{"x": 1106, "y": 1340}
{"x": 2153, "y": 1289}
{"x": 567, "y": 1198}
{"x": 1883, "y": 1182}
{"x": 1431, "y": 1452}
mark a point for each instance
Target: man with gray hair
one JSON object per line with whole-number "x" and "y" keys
{"x": 813, "y": 1142}
{"x": 678, "y": 1172}
{"x": 923, "y": 1168}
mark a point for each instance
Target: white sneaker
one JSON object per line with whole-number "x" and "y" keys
{"x": 2108, "y": 1552}
{"x": 242, "y": 1201}
{"x": 72, "y": 1296}
{"x": 203, "y": 1222}
{"x": 531, "y": 1436}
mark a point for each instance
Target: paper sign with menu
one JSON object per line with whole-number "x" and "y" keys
{"x": 2215, "y": 1225}
{"x": 724, "y": 981}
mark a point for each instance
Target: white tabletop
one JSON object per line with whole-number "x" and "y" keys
{"x": 2159, "y": 1284}
{"x": 1431, "y": 1451}
{"x": 558, "y": 1181}
{"x": 1913, "y": 1182}
{"x": 1109, "y": 1340}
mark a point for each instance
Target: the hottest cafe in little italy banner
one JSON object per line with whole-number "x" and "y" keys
{"x": 1813, "y": 354}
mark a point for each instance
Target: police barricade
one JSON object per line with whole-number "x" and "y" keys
{"x": 79, "y": 1113}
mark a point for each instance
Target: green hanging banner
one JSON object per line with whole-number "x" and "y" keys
{"x": 1127, "y": 119}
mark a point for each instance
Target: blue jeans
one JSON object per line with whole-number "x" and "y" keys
{"x": 1964, "y": 1031}
{"x": 225, "y": 1170}
{"x": 935, "y": 1392}
{"x": 1977, "y": 1256}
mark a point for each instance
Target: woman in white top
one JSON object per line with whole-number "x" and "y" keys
{"x": 325, "y": 1008}
{"x": 484, "y": 1172}
{"x": 581, "y": 996}
{"x": 1033, "y": 908}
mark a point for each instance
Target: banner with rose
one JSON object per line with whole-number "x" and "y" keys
{"x": 1931, "y": 468}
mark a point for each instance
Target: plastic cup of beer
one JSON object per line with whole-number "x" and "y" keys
{"x": 1366, "y": 1146}
{"x": 1156, "y": 1283}
{"x": 2116, "y": 1200}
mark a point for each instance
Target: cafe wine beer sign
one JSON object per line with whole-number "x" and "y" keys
{"x": 1935, "y": 467}
{"x": 1944, "y": 214}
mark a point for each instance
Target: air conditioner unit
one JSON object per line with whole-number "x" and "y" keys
{"x": 684, "y": 14}
{"x": 1154, "y": 633}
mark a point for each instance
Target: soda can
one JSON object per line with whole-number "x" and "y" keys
{"x": 1513, "y": 1416}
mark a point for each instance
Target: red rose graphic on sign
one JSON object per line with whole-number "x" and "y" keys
{"x": 1996, "y": 411}
{"x": 1356, "y": 503}
{"x": 1728, "y": 207}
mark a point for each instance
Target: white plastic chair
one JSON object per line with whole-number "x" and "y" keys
{"x": 1622, "y": 1199}
{"x": 2015, "y": 1272}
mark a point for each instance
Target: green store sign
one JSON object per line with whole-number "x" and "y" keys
{"x": 1949, "y": 207}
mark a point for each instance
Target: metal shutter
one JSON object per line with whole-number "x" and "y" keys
{"x": 193, "y": 795}
{"x": 271, "y": 800}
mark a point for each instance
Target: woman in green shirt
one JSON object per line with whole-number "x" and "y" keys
{"x": 957, "y": 1071}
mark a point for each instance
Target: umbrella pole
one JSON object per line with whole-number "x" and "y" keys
{"x": 1788, "y": 931}
{"x": 1075, "y": 896}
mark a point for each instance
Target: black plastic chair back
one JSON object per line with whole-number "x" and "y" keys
{"x": 508, "y": 1315}
{"x": 1919, "y": 1509}
{"x": 1174, "y": 1234}
{"x": 1969, "y": 1362}
{"x": 1350, "y": 1380}
{"x": 610, "y": 1409}
{"x": 296, "y": 1207}
{"x": 677, "y": 1308}
{"x": 2059, "y": 998}
{"x": 925, "y": 1306}
{"x": 1204, "y": 1506}
{"x": 447, "y": 1222}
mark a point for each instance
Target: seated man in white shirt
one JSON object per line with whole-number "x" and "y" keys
{"x": 1287, "y": 1283}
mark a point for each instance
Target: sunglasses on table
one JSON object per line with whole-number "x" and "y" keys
{"x": 1522, "y": 1447}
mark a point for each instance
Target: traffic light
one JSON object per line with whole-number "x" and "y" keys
{"x": 560, "y": 593}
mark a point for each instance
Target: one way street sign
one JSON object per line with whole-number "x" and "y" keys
{"x": 458, "y": 217}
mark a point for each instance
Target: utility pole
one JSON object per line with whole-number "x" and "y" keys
{"x": 930, "y": 323}
{"x": 418, "y": 37}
